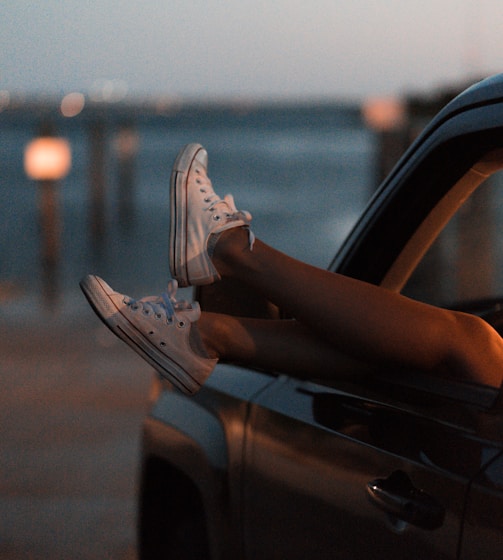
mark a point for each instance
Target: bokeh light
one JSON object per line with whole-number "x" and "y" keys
{"x": 47, "y": 158}
{"x": 384, "y": 113}
{"x": 72, "y": 104}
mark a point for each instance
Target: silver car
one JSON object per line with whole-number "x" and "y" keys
{"x": 259, "y": 465}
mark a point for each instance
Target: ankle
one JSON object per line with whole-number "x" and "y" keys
{"x": 209, "y": 335}
{"x": 197, "y": 342}
{"x": 228, "y": 249}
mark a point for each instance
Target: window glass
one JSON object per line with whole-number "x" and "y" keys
{"x": 466, "y": 261}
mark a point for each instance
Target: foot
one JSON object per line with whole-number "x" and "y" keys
{"x": 197, "y": 215}
{"x": 156, "y": 328}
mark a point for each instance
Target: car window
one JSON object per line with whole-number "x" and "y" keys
{"x": 464, "y": 267}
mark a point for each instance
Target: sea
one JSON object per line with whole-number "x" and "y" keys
{"x": 304, "y": 171}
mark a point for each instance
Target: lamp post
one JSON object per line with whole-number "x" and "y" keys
{"x": 47, "y": 160}
{"x": 126, "y": 147}
{"x": 97, "y": 155}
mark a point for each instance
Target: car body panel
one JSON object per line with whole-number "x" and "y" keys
{"x": 310, "y": 455}
{"x": 203, "y": 438}
{"x": 484, "y": 513}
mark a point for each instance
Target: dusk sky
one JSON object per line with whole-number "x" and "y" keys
{"x": 248, "y": 48}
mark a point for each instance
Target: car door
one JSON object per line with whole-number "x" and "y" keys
{"x": 330, "y": 474}
{"x": 482, "y": 531}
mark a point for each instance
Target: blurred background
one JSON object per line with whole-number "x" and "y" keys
{"x": 294, "y": 103}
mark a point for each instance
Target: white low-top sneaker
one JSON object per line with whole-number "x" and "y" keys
{"x": 197, "y": 213}
{"x": 157, "y": 328}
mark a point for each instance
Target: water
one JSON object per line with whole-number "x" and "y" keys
{"x": 304, "y": 173}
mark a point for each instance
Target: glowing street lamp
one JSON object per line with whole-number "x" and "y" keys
{"x": 47, "y": 160}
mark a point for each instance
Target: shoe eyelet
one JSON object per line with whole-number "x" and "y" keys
{"x": 151, "y": 333}
{"x": 217, "y": 217}
{"x": 181, "y": 324}
{"x": 146, "y": 312}
{"x": 198, "y": 181}
{"x": 158, "y": 316}
{"x": 162, "y": 343}
{"x": 204, "y": 191}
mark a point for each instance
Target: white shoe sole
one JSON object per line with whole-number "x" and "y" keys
{"x": 178, "y": 224}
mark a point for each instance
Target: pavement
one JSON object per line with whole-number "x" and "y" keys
{"x": 73, "y": 399}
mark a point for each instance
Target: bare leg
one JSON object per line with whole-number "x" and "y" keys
{"x": 284, "y": 346}
{"x": 356, "y": 318}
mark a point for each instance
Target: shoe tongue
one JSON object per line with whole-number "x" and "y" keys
{"x": 229, "y": 200}
{"x": 192, "y": 312}
{"x": 182, "y": 305}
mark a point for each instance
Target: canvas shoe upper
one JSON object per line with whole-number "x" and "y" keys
{"x": 157, "y": 328}
{"x": 197, "y": 213}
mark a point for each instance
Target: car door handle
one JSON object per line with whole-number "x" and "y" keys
{"x": 399, "y": 498}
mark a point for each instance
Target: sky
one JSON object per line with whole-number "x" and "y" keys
{"x": 246, "y": 49}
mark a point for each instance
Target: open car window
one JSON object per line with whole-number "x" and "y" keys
{"x": 463, "y": 269}
{"x": 454, "y": 260}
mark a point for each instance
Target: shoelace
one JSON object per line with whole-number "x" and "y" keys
{"x": 233, "y": 214}
{"x": 164, "y": 304}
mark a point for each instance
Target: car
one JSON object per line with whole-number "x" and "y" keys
{"x": 400, "y": 464}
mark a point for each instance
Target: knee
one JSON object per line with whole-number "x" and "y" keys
{"x": 477, "y": 350}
